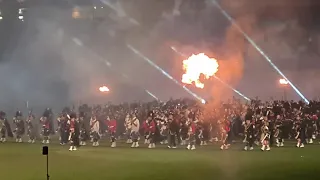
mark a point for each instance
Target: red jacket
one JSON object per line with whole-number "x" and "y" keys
{"x": 45, "y": 123}
{"x": 192, "y": 128}
{"x": 227, "y": 125}
{"x": 112, "y": 126}
{"x": 152, "y": 127}
{"x": 72, "y": 125}
{"x": 145, "y": 126}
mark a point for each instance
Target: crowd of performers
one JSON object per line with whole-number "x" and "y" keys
{"x": 176, "y": 122}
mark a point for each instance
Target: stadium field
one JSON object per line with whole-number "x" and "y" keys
{"x": 25, "y": 162}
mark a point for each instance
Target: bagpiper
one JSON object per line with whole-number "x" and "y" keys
{"x": 301, "y": 134}
{"x": 5, "y": 129}
{"x": 145, "y": 129}
{"x": 191, "y": 138}
{"x": 173, "y": 130}
{"x": 151, "y": 131}
{"x": 127, "y": 125}
{"x": 250, "y": 132}
{"x": 45, "y": 121}
{"x": 226, "y": 135}
{"x": 265, "y": 137}
{"x": 95, "y": 130}
{"x": 30, "y": 127}
{"x": 112, "y": 129}
{"x": 135, "y": 127}
{"x": 73, "y": 132}
{"x": 279, "y": 133}
{"x": 63, "y": 128}
{"x": 84, "y": 135}
{"x": 19, "y": 130}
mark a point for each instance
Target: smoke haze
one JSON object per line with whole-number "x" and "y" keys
{"x": 53, "y": 61}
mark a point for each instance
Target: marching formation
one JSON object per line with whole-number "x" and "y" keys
{"x": 176, "y": 122}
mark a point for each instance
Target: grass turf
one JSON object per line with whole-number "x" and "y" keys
{"x": 25, "y": 162}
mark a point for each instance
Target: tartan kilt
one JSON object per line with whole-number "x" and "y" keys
{"x": 135, "y": 135}
{"x": 112, "y": 134}
{"x": 45, "y": 131}
{"x": 3, "y": 132}
{"x": 191, "y": 137}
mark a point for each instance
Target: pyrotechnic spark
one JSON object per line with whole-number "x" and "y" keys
{"x": 258, "y": 49}
{"x": 164, "y": 72}
{"x": 104, "y": 89}
{"x": 196, "y": 65}
{"x": 283, "y": 81}
{"x": 152, "y": 95}
{"x": 224, "y": 83}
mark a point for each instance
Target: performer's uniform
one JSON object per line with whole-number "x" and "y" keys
{"x": 73, "y": 132}
{"x": 145, "y": 128}
{"x": 250, "y": 132}
{"x": 112, "y": 129}
{"x": 5, "y": 128}
{"x": 163, "y": 125}
{"x": 183, "y": 134}
{"x": 279, "y": 133}
{"x": 30, "y": 128}
{"x": 309, "y": 130}
{"x": 301, "y": 134}
{"x": 226, "y": 134}
{"x": 205, "y": 132}
{"x": 19, "y": 131}
{"x": 64, "y": 128}
{"x": 83, "y": 131}
{"x": 191, "y": 135}
{"x": 45, "y": 129}
{"x": 127, "y": 124}
{"x": 173, "y": 129}
{"x": 135, "y": 127}
{"x": 95, "y": 131}
{"x": 151, "y": 135}
{"x": 315, "y": 122}
{"x": 265, "y": 138}
{"x": 47, "y": 125}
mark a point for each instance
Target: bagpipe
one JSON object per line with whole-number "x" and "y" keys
{"x": 20, "y": 129}
{"x": 59, "y": 122}
{"x": 297, "y": 136}
{"x": 93, "y": 130}
{"x": 71, "y": 134}
{"x": 127, "y": 123}
{"x": 265, "y": 137}
{"x": 276, "y": 132}
{"x": 200, "y": 135}
{"x": 266, "y": 133}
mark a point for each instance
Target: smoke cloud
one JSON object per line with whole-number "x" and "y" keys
{"x": 53, "y": 62}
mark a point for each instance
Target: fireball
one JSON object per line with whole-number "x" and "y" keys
{"x": 196, "y": 65}
{"x": 104, "y": 89}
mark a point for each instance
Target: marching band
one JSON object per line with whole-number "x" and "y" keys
{"x": 188, "y": 128}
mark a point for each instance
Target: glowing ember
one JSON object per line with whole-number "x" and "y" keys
{"x": 104, "y": 89}
{"x": 283, "y": 81}
{"x": 196, "y": 65}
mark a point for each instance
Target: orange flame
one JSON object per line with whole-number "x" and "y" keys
{"x": 196, "y": 65}
{"x": 104, "y": 89}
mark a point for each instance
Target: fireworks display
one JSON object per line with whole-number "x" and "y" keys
{"x": 196, "y": 65}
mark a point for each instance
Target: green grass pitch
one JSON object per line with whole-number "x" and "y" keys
{"x": 25, "y": 162}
